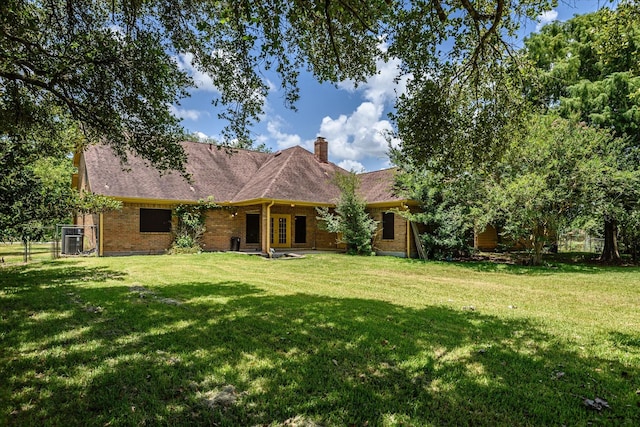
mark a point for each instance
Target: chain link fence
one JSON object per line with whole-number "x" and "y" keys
{"x": 579, "y": 241}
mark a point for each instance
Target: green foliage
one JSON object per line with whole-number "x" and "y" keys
{"x": 450, "y": 125}
{"x": 464, "y": 99}
{"x": 587, "y": 70}
{"x": 116, "y": 66}
{"x": 448, "y": 208}
{"x": 35, "y": 186}
{"x": 351, "y": 221}
{"x": 561, "y": 174}
{"x": 191, "y": 226}
{"x": 610, "y": 103}
{"x": 86, "y": 202}
{"x": 588, "y": 67}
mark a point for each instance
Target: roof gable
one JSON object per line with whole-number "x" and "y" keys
{"x": 293, "y": 174}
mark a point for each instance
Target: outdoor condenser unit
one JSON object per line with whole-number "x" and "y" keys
{"x": 71, "y": 241}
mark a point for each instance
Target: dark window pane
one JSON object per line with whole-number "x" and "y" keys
{"x": 253, "y": 228}
{"x": 301, "y": 229}
{"x": 387, "y": 226}
{"x": 155, "y": 220}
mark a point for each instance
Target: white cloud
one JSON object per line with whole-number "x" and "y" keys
{"x": 546, "y": 17}
{"x": 283, "y": 140}
{"x": 382, "y": 87}
{"x": 201, "y": 136}
{"x": 357, "y": 138}
{"x": 184, "y": 113}
{"x": 272, "y": 88}
{"x": 385, "y": 85}
{"x": 363, "y": 134}
{"x": 201, "y": 79}
{"x": 360, "y": 135}
{"x": 352, "y": 165}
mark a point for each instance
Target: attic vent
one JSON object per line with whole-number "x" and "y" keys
{"x": 277, "y": 154}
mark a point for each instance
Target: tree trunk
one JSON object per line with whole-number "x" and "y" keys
{"x": 25, "y": 243}
{"x": 610, "y": 253}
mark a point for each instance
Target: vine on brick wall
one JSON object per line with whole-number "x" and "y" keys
{"x": 191, "y": 226}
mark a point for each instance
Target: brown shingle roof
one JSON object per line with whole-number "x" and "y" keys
{"x": 214, "y": 173}
{"x": 293, "y": 174}
{"x": 377, "y": 187}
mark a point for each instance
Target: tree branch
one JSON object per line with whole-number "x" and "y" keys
{"x": 439, "y": 10}
{"x": 492, "y": 30}
{"x": 330, "y": 30}
{"x": 357, "y": 16}
{"x": 475, "y": 15}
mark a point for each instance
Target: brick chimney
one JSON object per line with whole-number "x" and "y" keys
{"x": 321, "y": 150}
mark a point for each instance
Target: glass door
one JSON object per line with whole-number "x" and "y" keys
{"x": 280, "y": 231}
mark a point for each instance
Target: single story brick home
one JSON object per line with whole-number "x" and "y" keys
{"x": 268, "y": 200}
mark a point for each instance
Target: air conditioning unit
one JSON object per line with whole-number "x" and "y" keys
{"x": 72, "y": 239}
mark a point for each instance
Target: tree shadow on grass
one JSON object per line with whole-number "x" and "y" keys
{"x": 164, "y": 357}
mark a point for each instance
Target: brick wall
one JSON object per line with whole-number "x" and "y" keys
{"x": 222, "y": 225}
{"x": 395, "y": 246}
{"x": 122, "y": 236}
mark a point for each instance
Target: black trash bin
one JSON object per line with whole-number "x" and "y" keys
{"x": 235, "y": 244}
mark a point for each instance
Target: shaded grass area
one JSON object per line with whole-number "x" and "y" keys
{"x": 330, "y": 339}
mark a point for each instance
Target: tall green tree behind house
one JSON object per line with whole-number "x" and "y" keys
{"x": 587, "y": 69}
{"x": 559, "y": 174}
{"x": 450, "y": 208}
{"x": 36, "y": 193}
{"x": 464, "y": 99}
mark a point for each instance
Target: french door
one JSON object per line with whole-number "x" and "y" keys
{"x": 280, "y": 231}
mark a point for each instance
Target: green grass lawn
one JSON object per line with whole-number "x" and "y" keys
{"x": 229, "y": 339}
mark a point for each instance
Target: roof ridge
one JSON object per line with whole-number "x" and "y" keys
{"x": 379, "y": 170}
{"x": 277, "y": 174}
{"x": 221, "y": 147}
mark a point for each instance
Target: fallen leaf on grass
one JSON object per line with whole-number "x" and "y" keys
{"x": 596, "y": 404}
{"x": 224, "y": 398}
{"x": 300, "y": 421}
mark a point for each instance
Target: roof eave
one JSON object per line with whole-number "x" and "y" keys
{"x": 263, "y": 200}
{"x": 392, "y": 203}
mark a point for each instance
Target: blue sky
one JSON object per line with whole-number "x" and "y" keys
{"x": 352, "y": 120}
